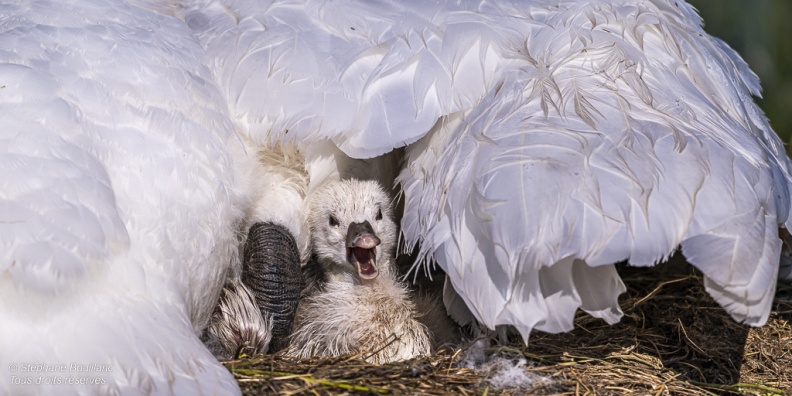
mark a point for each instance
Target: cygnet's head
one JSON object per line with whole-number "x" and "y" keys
{"x": 352, "y": 227}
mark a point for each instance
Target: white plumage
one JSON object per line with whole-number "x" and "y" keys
{"x": 545, "y": 141}
{"x": 556, "y": 138}
{"x": 118, "y": 208}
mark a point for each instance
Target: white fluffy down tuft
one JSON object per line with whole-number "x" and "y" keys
{"x": 499, "y": 369}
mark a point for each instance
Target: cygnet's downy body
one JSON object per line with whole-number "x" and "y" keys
{"x": 353, "y": 302}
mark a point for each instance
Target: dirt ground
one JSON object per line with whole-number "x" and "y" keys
{"x": 673, "y": 340}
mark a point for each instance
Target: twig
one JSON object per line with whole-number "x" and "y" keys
{"x": 657, "y": 289}
{"x": 738, "y": 387}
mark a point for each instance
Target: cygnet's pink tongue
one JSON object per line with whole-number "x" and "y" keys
{"x": 365, "y": 259}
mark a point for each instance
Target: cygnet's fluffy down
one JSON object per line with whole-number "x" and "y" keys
{"x": 353, "y": 303}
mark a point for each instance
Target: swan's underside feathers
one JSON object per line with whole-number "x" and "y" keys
{"x": 571, "y": 135}
{"x": 109, "y": 124}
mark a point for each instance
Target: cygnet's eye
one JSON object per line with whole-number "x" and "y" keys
{"x": 333, "y": 221}
{"x": 379, "y": 214}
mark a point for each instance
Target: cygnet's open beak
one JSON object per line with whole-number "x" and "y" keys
{"x": 362, "y": 249}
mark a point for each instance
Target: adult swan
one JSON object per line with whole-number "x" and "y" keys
{"x": 118, "y": 208}
{"x": 546, "y": 139}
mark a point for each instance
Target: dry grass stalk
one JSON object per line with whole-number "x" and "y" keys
{"x": 673, "y": 340}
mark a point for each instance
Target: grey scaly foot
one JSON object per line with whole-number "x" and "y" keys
{"x": 271, "y": 270}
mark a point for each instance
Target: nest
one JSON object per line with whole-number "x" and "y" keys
{"x": 673, "y": 339}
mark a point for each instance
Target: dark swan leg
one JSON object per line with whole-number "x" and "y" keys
{"x": 271, "y": 270}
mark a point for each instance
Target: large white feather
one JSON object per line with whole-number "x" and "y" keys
{"x": 117, "y": 201}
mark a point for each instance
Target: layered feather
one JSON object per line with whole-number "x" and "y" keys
{"x": 370, "y": 76}
{"x": 118, "y": 201}
{"x": 557, "y": 138}
{"x": 626, "y": 133}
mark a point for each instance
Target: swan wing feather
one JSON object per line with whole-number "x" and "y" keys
{"x": 605, "y": 145}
